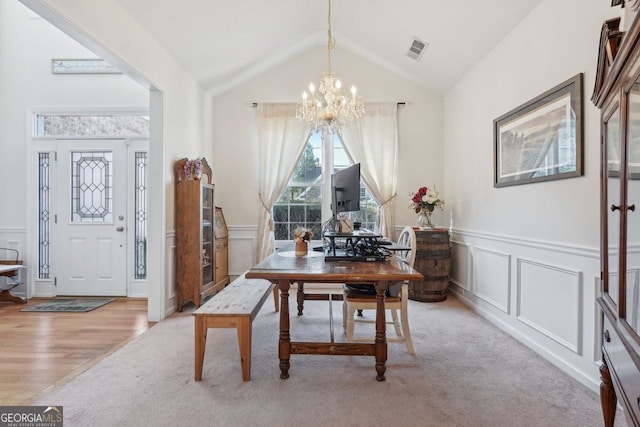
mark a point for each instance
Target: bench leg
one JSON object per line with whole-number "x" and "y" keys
{"x": 243, "y": 326}
{"x": 200, "y": 343}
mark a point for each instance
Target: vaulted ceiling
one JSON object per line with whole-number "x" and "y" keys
{"x": 222, "y": 42}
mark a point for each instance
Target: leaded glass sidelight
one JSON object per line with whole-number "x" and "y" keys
{"x": 140, "y": 224}
{"x": 92, "y": 187}
{"x": 44, "y": 215}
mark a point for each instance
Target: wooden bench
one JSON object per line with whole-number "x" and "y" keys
{"x": 234, "y": 307}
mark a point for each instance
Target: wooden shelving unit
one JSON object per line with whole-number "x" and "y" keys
{"x": 195, "y": 237}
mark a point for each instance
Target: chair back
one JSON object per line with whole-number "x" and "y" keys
{"x": 408, "y": 238}
{"x": 7, "y": 253}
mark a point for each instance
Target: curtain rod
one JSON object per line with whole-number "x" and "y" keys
{"x": 400, "y": 103}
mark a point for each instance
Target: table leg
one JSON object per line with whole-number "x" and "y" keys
{"x": 381, "y": 331}
{"x": 284, "y": 344}
{"x": 300, "y": 297}
{"x": 200, "y": 344}
{"x": 5, "y": 295}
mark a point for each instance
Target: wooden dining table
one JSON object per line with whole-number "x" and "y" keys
{"x": 283, "y": 269}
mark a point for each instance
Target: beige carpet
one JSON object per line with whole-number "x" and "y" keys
{"x": 465, "y": 373}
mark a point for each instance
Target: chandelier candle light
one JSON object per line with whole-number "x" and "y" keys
{"x": 328, "y": 107}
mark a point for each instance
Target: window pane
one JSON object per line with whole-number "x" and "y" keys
{"x": 300, "y": 204}
{"x": 91, "y": 187}
{"x": 140, "y": 224}
{"x": 44, "y": 217}
{"x": 91, "y": 125}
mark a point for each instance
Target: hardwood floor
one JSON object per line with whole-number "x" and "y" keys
{"x": 43, "y": 350}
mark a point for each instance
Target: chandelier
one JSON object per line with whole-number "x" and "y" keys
{"x": 327, "y": 107}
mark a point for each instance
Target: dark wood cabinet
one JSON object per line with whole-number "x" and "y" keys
{"x": 617, "y": 95}
{"x": 196, "y": 275}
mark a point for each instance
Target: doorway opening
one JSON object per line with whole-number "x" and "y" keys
{"x": 92, "y": 177}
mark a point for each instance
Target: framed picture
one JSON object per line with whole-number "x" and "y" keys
{"x": 541, "y": 140}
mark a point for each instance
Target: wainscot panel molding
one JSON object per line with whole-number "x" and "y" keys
{"x": 461, "y": 268}
{"x": 549, "y": 299}
{"x": 554, "y": 310}
{"x": 491, "y": 277}
{"x": 537, "y": 244}
{"x": 243, "y": 246}
{"x": 170, "y": 273}
{"x": 597, "y": 324}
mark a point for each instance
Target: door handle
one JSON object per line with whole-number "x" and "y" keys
{"x": 119, "y": 228}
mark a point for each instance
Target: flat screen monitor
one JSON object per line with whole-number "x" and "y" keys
{"x": 345, "y": 190}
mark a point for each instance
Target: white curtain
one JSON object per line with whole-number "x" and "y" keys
{"x": 372, "y": 141}
{"x": 281, "y": 141}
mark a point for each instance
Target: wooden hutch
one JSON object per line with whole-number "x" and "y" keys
{"x": 198, "y": 249}
{"x": 617, "y": 95}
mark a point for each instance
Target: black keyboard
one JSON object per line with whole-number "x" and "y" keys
{"x": 384, "y": 242}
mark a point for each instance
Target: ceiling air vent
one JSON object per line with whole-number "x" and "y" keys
{"x": 416, "y": 49}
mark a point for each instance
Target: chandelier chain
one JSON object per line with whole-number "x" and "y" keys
{"x": 331, "y": 42}
{"x": 327, "y": 107}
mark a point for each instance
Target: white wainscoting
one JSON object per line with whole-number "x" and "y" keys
{"x": 491, "y": 277}
{"x": 597, "y": 323}
{"x": 549, "y": 299}
{"x": 535, "y": 291}
{"x": 170, "y": 274}
{"x": 243, "y": 247}
{"x": 460, "y": 269}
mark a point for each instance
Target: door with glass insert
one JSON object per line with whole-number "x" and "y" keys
{"x": 90, "y": 239}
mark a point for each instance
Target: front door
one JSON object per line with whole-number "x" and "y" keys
{"x": 91, "y": 233}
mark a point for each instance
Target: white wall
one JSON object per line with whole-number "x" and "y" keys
{"x": 234, "y": 136}
{"x": 27, "y": 45}
{"x": 176, "y": 117}
{"x": 527, "y": 256}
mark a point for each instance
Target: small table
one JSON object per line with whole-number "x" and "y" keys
{"x": 285, "y": 270}
{"x": 10, "y": 270}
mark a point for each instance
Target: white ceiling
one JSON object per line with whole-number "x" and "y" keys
{"x": 222, "y": 42}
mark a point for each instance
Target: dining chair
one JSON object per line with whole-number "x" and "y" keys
{"x": 354, "y": 300}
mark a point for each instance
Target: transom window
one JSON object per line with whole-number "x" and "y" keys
{"x": 91, "y": 125}
{"x": 302, "y": 204}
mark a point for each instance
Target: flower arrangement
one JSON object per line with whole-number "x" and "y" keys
{"x": 301, "y": 234}
{"x": 426, "y": 200}
{"x": 193, "y": 169}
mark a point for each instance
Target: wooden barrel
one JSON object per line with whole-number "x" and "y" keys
{"x": 433, "y": 260}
